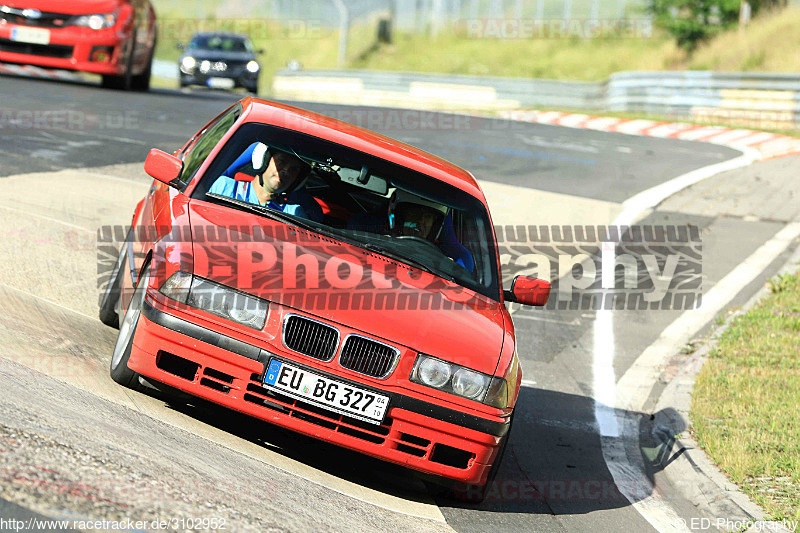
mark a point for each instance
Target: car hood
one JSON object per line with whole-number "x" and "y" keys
{"x": 258, "y": 255}
{"x": 75, "y": 7}
{"x": 216, "y": 55}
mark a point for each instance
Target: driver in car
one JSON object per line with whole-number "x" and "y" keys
{"x": 277, "y": 182}
{"x": 413, "y": 216}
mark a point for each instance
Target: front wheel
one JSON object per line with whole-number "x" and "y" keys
{"x": 127, "y": 329}
{"x": 108, "y": 305}
{"x": 141, "y": 82}
{"x": 124, "y": 81}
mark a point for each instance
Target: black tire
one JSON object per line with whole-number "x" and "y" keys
{"x": 127, "y": 330}
{"x": 141, "y": 82}
{"x": 108, "y": 304}
{"x": 477, "y": 493}
{"x": 123, "y": 82}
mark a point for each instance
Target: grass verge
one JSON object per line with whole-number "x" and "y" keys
{"x": 558, "y": 58}
{"x": 746, "y": 401}
{"x": 771, "y": 43}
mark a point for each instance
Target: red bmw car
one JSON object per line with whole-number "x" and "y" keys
{"x": 115, "y": 38}
{"x": 326, "y": 279}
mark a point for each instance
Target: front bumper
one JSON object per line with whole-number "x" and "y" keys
{"x": 418, "y": 434}
{"x": 241, "y": 78}
{"x": 69, "y": 49}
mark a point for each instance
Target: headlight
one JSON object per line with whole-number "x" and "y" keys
{"x": 96, "y": 22}
{"x": 253, "y": 67}
{"x": 188, "y": 63}
{"x": 459, "y": 380}
{"x": 433, "y": 372}
{"x": 216, "y": 299}
{"x": 469, "y": 384}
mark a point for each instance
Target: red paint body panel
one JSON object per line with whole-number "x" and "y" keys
{"x": 472, "y": 337}
{"x": 135, "y": 26}
{"x": 151, "y": 338}
{"x": 174, "y": 230}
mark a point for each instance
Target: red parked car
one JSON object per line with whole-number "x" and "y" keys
{"x": 115, "y": 38}
{"x": 361, "y": 303}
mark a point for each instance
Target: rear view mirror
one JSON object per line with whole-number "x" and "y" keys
{"x": 529, "y": 291}
{"x": 362, "y": 178}
{"x": 164, "y": 167}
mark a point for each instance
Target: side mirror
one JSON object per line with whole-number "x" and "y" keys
{"x": 163, "y": 166}
{"x": 179, "y": 46}
{"x": 529, "y": 291}
{"x": 260, "y": 51}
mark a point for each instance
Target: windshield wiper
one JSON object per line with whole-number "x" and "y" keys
{"x": 403, "y": 259}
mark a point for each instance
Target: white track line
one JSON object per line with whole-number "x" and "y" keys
{"x": 619, "y": 433}
{"x": 645, "y": 370}
{"x": 49, "y": 302}
{"x": 49, "y": 219}
{"x": 634, "y": 206}
{"x": 143, "y": 183}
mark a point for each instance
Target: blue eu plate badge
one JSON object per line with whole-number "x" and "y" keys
{"x": 272, "y": 372}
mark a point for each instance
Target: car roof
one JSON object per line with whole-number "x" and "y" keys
{"x": 364, "y": 140}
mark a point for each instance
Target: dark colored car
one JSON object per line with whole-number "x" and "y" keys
{"x": 114, "y": 38}
{"x": 220, "y": 61}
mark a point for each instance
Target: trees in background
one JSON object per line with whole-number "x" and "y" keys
{"x": 693, "y": 21}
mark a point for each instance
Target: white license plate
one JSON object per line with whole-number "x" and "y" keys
{"x": 30, "y": 35}
{"x": 220, "y": 83}
{"x": 334, "y": 395}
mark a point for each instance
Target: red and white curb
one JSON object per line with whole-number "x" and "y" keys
{"x": 765, "y": 145}
{"x": 33, "y": 71}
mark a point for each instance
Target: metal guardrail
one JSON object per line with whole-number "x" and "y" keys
{"x": 755, "y": 100}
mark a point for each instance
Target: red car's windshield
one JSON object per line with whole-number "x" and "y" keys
{"x": 364, "y": 199}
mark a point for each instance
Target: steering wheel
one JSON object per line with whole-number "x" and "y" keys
{"x": 421, "y": 240}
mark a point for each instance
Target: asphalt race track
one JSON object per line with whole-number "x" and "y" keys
{"x": 76, "y": 445}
